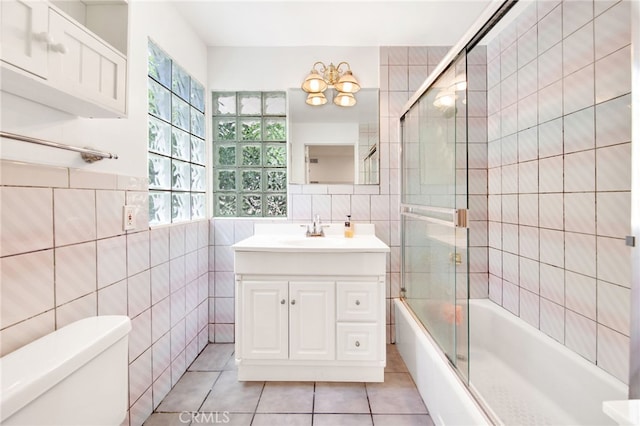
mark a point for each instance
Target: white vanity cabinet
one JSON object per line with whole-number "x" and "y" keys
{"x": 310, "y": 309}
{"x": 49, "y": 57}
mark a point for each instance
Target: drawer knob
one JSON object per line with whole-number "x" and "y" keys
{"x": 357, "y": 303}
{"x": 293, "y": 302}
{"x": 357, "y": 344}
{"x": 282, "y": 302}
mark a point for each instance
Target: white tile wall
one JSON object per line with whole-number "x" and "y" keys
{"x": 27, "y": 286}
{"x": 89, "y": 266}
{"x": 112, "y": 260}
{"x": 76, "y": 310}
{"x": 75, "y": 271}
{"x": 552, "y": 319}
{"x": 580, "y": 335}
{"x": 28, "y": 205}
{"x": 109, "y": 213}
{"x": 573, "y": 267}
{"x": 613, "y": 352}
{"x": 74, "y": 216}
{"x": 112, "y": 300}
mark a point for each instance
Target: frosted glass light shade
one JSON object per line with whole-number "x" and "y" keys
{"x": 347, "y": 83}
{"x": 445, "y": 99}
{"x": 344, "y": 99}
{"x": 314, "y": 83}
{"x": 315, "y": 99}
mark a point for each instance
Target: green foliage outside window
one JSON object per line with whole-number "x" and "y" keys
{"x": 249, "y": 154}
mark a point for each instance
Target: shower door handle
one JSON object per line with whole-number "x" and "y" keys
{"x": 460, "y": 218}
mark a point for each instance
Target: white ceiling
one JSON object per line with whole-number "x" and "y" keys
{"x": 330, "y": 22}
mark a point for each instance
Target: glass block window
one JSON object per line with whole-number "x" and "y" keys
{"x": 249, "y": 154}
{"x": 177, "y": 150}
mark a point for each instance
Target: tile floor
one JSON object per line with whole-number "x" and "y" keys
{"x": 209, "y": 393}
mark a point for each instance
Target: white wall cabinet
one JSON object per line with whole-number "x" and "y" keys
{"x": 25, "y": 26}
{"x": 51, "y": 58}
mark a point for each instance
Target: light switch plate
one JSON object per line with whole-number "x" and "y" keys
{"x": 129, "y": 218}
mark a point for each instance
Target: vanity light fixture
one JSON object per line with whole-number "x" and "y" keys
{"x": 445, "y": 99}
{"x": 459, "y": 83}
{"x": 322, "y": 77}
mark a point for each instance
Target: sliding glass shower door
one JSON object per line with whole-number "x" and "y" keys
{"x": 434, "y": 203}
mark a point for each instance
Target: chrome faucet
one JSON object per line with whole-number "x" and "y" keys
{"x": 316, "y": 229}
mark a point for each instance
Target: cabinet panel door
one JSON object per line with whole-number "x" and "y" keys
{"x": 312, "y": 320}
{"x": 265, "y": 320}
{"x": 82, "y": 65}
{"x": 24, "y": 27}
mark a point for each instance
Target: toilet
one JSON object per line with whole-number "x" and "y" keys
{"x": 77, "y": 375}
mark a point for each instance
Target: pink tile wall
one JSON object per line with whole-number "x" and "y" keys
{"x": 559, "y": 175}
{"x": 64, "y": 256}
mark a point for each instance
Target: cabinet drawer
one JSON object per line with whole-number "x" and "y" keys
{"x": 357, "y": 342}
{"x": 357, "y": 301}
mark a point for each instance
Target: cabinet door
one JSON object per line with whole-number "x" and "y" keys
{"x": 265, "y": 319}
{"x": 24, "y": 27}
{"x": 312, "y": 320}
{"x": 82, "y": 65}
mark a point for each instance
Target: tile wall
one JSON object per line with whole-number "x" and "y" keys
{"x": 402, "y": 71}
{"x": 64, "y": 256}
{"x": 559, "y": 130}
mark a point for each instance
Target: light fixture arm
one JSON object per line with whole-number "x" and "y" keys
{"x": 343, "y": 63}
{"x": 330, "y": 73}
{"x": 321, "y": 70}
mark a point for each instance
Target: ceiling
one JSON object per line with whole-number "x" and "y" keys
{"x": 330, "y": 22}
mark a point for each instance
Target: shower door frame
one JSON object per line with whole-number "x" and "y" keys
{"x": 634, "y": 368}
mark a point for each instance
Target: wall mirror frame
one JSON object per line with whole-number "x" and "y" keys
{"x": 330, "y": 144}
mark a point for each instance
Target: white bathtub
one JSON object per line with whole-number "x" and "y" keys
{"x": 523, "y": 376}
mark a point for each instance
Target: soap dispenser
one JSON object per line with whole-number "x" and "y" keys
{"x": 348, "y": 227}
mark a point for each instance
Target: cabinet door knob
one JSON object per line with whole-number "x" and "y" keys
{"x": 357, "y": 303}
{"x": 43, "y": 37}
{"x": 58, "y": 47}
{"x": 357, "y": 344}
{"x": 293, "y": 302}
{"x": 282, "y": 302}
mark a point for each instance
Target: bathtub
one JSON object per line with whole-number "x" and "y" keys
{"x": 520, "y": 375}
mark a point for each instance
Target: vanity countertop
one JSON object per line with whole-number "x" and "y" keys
{"x": 291, "y": 238}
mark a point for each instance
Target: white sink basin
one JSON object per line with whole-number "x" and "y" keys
{"x": 283, "y": 247}
{"x": 291, "y": 238}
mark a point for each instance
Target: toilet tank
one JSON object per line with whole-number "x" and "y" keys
{"x": 77, "y": 375}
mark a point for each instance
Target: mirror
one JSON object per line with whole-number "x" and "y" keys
{"x": 329, "y": 144}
